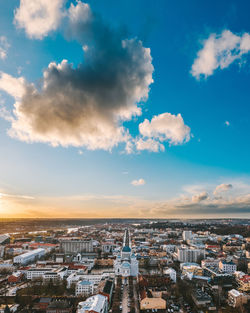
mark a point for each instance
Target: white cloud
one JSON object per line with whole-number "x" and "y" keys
{"x": 219, "y": 51}
{"x": 166, "y": 127}
{"x": 6, "y": 195}
{"x": 200, "y": 197}
{"x": 227, "y": 123}
{"x": 138, "y": 182}
{"x": 4, "y": 46}
{"x": 12, "y": 85}
{"x": 82, "y": 105}
{"x": 5, "y": 114}
{"x": 222, "y": 187}
{"x": 38, "y": 17}
{"x": 149, "y": 144}
{"x": 79, "y": 12}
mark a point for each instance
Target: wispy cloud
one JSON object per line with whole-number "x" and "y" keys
{"x": 4, "y": 46}
{"x": 14, "y": 196}
{"x": 219, "y": 51}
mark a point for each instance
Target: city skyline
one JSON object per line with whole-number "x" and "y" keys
{"x": 124, "y": 109}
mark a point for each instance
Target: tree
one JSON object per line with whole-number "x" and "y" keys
{"x": 7, "y": 309}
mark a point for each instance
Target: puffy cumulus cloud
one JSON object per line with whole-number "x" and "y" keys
{"x": 85, "y": 105}
{"x": 200, "y": 197}
{"x": 227, "y": 123}
{"x": 219, "y": 51}
{"x": 79, "y": 15}
{"x": 149, "y": 144}
{"x": 164, "y": 127}
{"x": 4, "y": 46}
{"x": 138, "y": 182}
{"x": 222, "y": 187}
{"x": 38, "y": 17}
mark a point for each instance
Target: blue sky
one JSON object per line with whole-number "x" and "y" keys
{"x": 167, "y": 137}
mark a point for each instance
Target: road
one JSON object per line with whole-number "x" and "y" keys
{"x": 137, "y": 310}
{"x": 125, "y": 299}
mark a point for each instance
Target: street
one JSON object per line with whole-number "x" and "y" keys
{"x": 125, "y": 299}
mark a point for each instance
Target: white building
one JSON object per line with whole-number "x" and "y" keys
{"x": 169, "y": 248}
{"x": 108, "y": 247}
{"x": 7, "y": 265}
{"x": 78, "y": 276}
{"x": 34, "y": 273}
{"x": 126, "y": 263}
{"x": 4, "y": 239}
{"x": 227, "y": 267}
{"x": 76, "y": 245}
{"x": 97, "y": 303}
{"x": 171, "y": 272}
{"x": 210, "y": 262}
{"x": 187, "y": 234}
{"x": 236, "y": 298}
{"x": 185, "y": 255}
{"x": 84, "y": 288}
{"x": 51, "y": 276}
{"x": 29, "y": 256}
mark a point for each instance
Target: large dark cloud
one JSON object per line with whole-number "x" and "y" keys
{"x": 85, "y": 105}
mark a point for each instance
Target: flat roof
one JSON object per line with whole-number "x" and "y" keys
{"x": 29, "y": 253}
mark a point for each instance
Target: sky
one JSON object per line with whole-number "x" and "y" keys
{"x": 124, "y": 109}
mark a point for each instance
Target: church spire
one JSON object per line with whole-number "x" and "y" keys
{"x": 126, "y": 240}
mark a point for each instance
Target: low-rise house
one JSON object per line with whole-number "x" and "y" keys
{"x": 202, "y": 299}
{"x": 210, "y": 262}
{"x": 104, "y": 262}
{"x": 59, "y": 306}
{"x": 72, "y": 268}
{"x": 148, "y": 302}
{"x": 12, "y": 308}
{"x": 108, "y": 247}
{"x": 15, "y": 277}
{"x": 212, "y": 247}
{"x": 232, "y": 247}
{"x": 43, "y": 303}
{"x": 171, "y": 273}
{"x": 190, "y": 270}
{"x": 244, "y": 283}
{"x": 236, "y": 298}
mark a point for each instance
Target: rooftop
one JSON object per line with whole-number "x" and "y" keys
{"x": 95, "y": 303}
{"x": 126, "y": 249}
{"x": 85, "y": 283}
